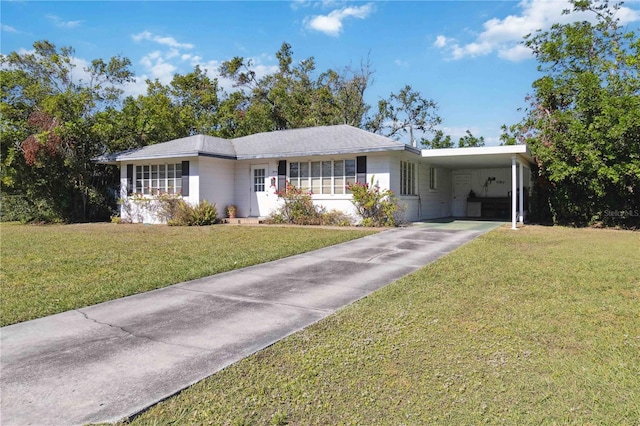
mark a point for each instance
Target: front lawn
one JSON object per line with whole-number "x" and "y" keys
{"x": 54, "y": 268}
{"x": 538, "y": 326}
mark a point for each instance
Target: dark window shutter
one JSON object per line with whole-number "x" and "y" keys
{"x": 361, "y": 170}
{"x": 129, "y": 179}
{"x": 185, "y": 178}
{"x": 282, "y": 174}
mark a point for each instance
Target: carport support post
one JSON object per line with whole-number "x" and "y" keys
{"x": 514, "y": 165}
{"x": 520, "y": 194}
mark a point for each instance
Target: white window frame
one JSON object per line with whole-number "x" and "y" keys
{"x": 314, "y": 180}
{"x": 259, "y": 176}
{"x": 147, "y": 181}
{"x": 408, "y": 178}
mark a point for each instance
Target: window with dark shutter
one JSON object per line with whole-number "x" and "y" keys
{"x": 282, "y": 175}
{"x": 129, "y": 179}
{"x": 185, "y": 178}
{"x": 361, "y": 167}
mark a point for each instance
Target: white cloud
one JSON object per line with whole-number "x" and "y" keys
{"x": 136, "y": 87}
{"x": 9, "y": 29}
{"x": 505, "y": 35}
{"x": 441, "y": 41}
{"x": 158, "y": 67}
{"x": 297, "y": 4}
{"x": 331, "y": 24}
{"x": 401, "y": 63}
{"x": 60, "y": 23}
{"x": 172, "y": 53}
{"x": 167, "y": 41}
{"x": 323, "y": 4}
{"x": 516, "y": 53}
{"x": 161, "y": 64}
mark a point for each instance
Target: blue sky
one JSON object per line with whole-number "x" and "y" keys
{"x": 465, "y": 55}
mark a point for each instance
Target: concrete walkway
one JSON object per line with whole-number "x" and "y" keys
{"x": 106, "y": 362}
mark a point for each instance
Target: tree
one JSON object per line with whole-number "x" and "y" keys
{"x": 583, "y": 122}
{"x": 198, "y": 99}
{"x": 50, "y": 132}
{"x": 468, "y": 140}
{"x": 346, "y": 91}
{"x": 292, "y": 97}
{"x": 405, "y": 112}
{"x": 510, "y": 135}
{"x": 439, "y": 141}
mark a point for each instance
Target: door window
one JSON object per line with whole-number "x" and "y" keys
{"x": 258, "y": 180}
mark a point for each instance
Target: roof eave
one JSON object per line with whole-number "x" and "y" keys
{"x": 124, "y": 158}
{"x": 329, "y": 152}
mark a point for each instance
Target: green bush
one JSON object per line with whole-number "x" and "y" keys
{"x": 181, "y": 213}
{"x": 336, "y": 218}
{"x": 374, "y": 206}
{"x": 171, "y": 207}
{"x": 22, "y": 209}
{"x": 204, "y": 214}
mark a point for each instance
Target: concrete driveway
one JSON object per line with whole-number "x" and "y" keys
{"x": 107, "y": 362}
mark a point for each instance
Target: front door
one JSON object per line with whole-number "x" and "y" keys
{"x": 258, "y": 190}
{"x": 461, "y": 188}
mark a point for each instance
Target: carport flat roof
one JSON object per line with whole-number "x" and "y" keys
{"x": 477, "y": 157}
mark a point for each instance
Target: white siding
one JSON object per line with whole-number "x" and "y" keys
{"x": 216, "y": 182}
{"x": 378, "y": 166}
{"x": 410, "y": 204}
{"x": 434, "y": 203}
{"x": 500, "y": 187}
{"x": 244, "y": 187}
{"x": 225, "y": 182}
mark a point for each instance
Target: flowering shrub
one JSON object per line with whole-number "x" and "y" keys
{"x": 297, "y": 207}
{"x": 376, "y": 207}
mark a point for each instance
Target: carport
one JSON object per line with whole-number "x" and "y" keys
{"x": 512, "y": 158}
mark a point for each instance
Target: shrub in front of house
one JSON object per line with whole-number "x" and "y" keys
{"x": 336, "y": 218}
{"x": 184, "y": 214}
{"x": 375, "y": 207}
{"x": 171, "y": 209}
{"x": 298, "y": 209}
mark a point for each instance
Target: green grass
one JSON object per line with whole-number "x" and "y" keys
{"x": 538, "y": 326}
{"x": 51, "y": 269}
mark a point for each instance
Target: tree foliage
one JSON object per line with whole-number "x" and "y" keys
{"x": 293, "y": 96}
{"x": 583, "y": 123}
{"x": 56, "y": 118}
{"x": 441, "y": 141}
{"x": 405, "y": 112}
{"x": 468, "y": 140}
{"x": 49, "y": 132}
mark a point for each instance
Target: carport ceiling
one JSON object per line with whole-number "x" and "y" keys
{"x": 477, "y": 158}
